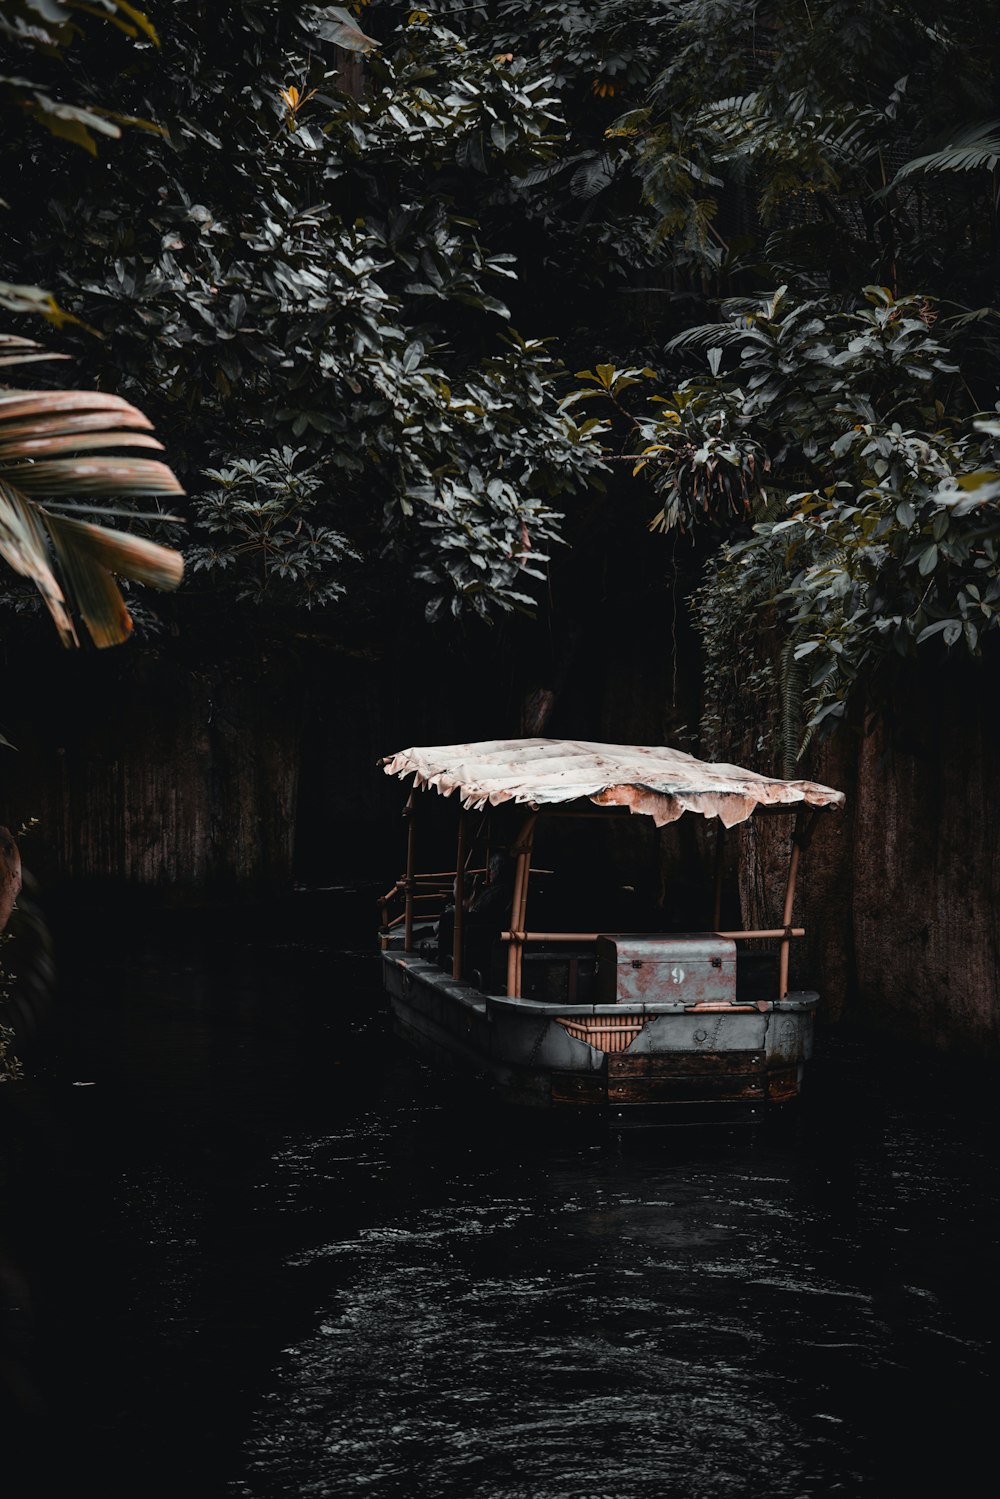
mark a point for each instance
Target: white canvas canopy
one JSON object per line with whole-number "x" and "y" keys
{"x": 660, "y": 782}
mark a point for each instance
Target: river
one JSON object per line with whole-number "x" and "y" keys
{"x": 249, "y": 1249}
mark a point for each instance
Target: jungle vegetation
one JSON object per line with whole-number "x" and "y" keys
{"x": 429, "y": 306}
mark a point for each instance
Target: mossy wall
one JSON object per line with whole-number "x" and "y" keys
{"x": 900, "y": 893}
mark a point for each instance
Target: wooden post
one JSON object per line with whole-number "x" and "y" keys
{"x": 527, "y": 838}
{"x": 529, "y": 835}
{"x": 786, "y": 915}
{"x": 720, "y": 859}
{"x": 518, "y": 904}
{"x": 515, "y": 907}
{"x": 410, "y": 815}
{"x": 456, "y": 940}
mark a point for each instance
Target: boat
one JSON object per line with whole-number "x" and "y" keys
{"x": 550, "y": 985}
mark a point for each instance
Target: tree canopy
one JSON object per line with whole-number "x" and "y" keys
{"x": 415, "y": 296}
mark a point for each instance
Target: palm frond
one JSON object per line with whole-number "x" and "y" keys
{"x": 708, "y": 335}
{"x": 971, "y": 150}
{"x": 24, "y": 546}
{"x": 15, "y": 350}
{"x": 593, "y": 175}
{"x": 60, "y": 476}
{"x": 47, "y": 442}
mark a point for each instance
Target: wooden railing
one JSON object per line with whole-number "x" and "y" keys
{"x": 519, "y": 940}
{"x": 430, "y": 894}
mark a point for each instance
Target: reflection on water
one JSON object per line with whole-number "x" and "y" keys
{"x": 272, "y": 1257}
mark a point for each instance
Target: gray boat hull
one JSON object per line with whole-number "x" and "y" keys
{"x": 653, "y": 1062}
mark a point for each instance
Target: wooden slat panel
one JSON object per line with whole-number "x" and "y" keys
{"x": 610, "y": 1033}
{"x": 686, "y": 1064}
{"x": 783, "y": 1085}
{"x": 579, "y": 1088}
{"x": 665, "y": 1090}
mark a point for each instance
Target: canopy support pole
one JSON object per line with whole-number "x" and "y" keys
{"x": 519, "y": 905}
{"x": 456, "y": 941}
{"x": 411, "y": 818}
{"x": 800, "y": 837}
{"x": 720, "y": 862}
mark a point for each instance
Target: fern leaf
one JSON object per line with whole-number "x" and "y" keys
{"x": 971, "y": 150}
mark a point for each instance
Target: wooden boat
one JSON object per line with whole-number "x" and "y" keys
{"x": 624, "y": 1023}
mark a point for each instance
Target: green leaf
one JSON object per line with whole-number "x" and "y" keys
{"x": 70, "y": 122}
{"x": 503, "y": 135}
{"x": 334, "y": 24}
{"x": 936, "y": 628}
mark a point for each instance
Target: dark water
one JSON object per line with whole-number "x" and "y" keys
{"x": 248, "y": 1251}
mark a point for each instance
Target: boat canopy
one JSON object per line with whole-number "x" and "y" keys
{"x": 655, "y": 780}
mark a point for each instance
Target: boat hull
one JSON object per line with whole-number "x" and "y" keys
{"x": 652, "y": 1062}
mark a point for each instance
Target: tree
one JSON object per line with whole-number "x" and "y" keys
{"x": 829, "y": 457}
{"x": 311, "y": 315}
{"x": 319, "y": 308}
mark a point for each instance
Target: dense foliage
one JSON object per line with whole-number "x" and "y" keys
{"x": 297, "y": 289}
{"x": 855, "y": 145}
{"x": 825, "y": 433}
{"x": 767, "y": 233}
{"x": 878, "y": 516}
